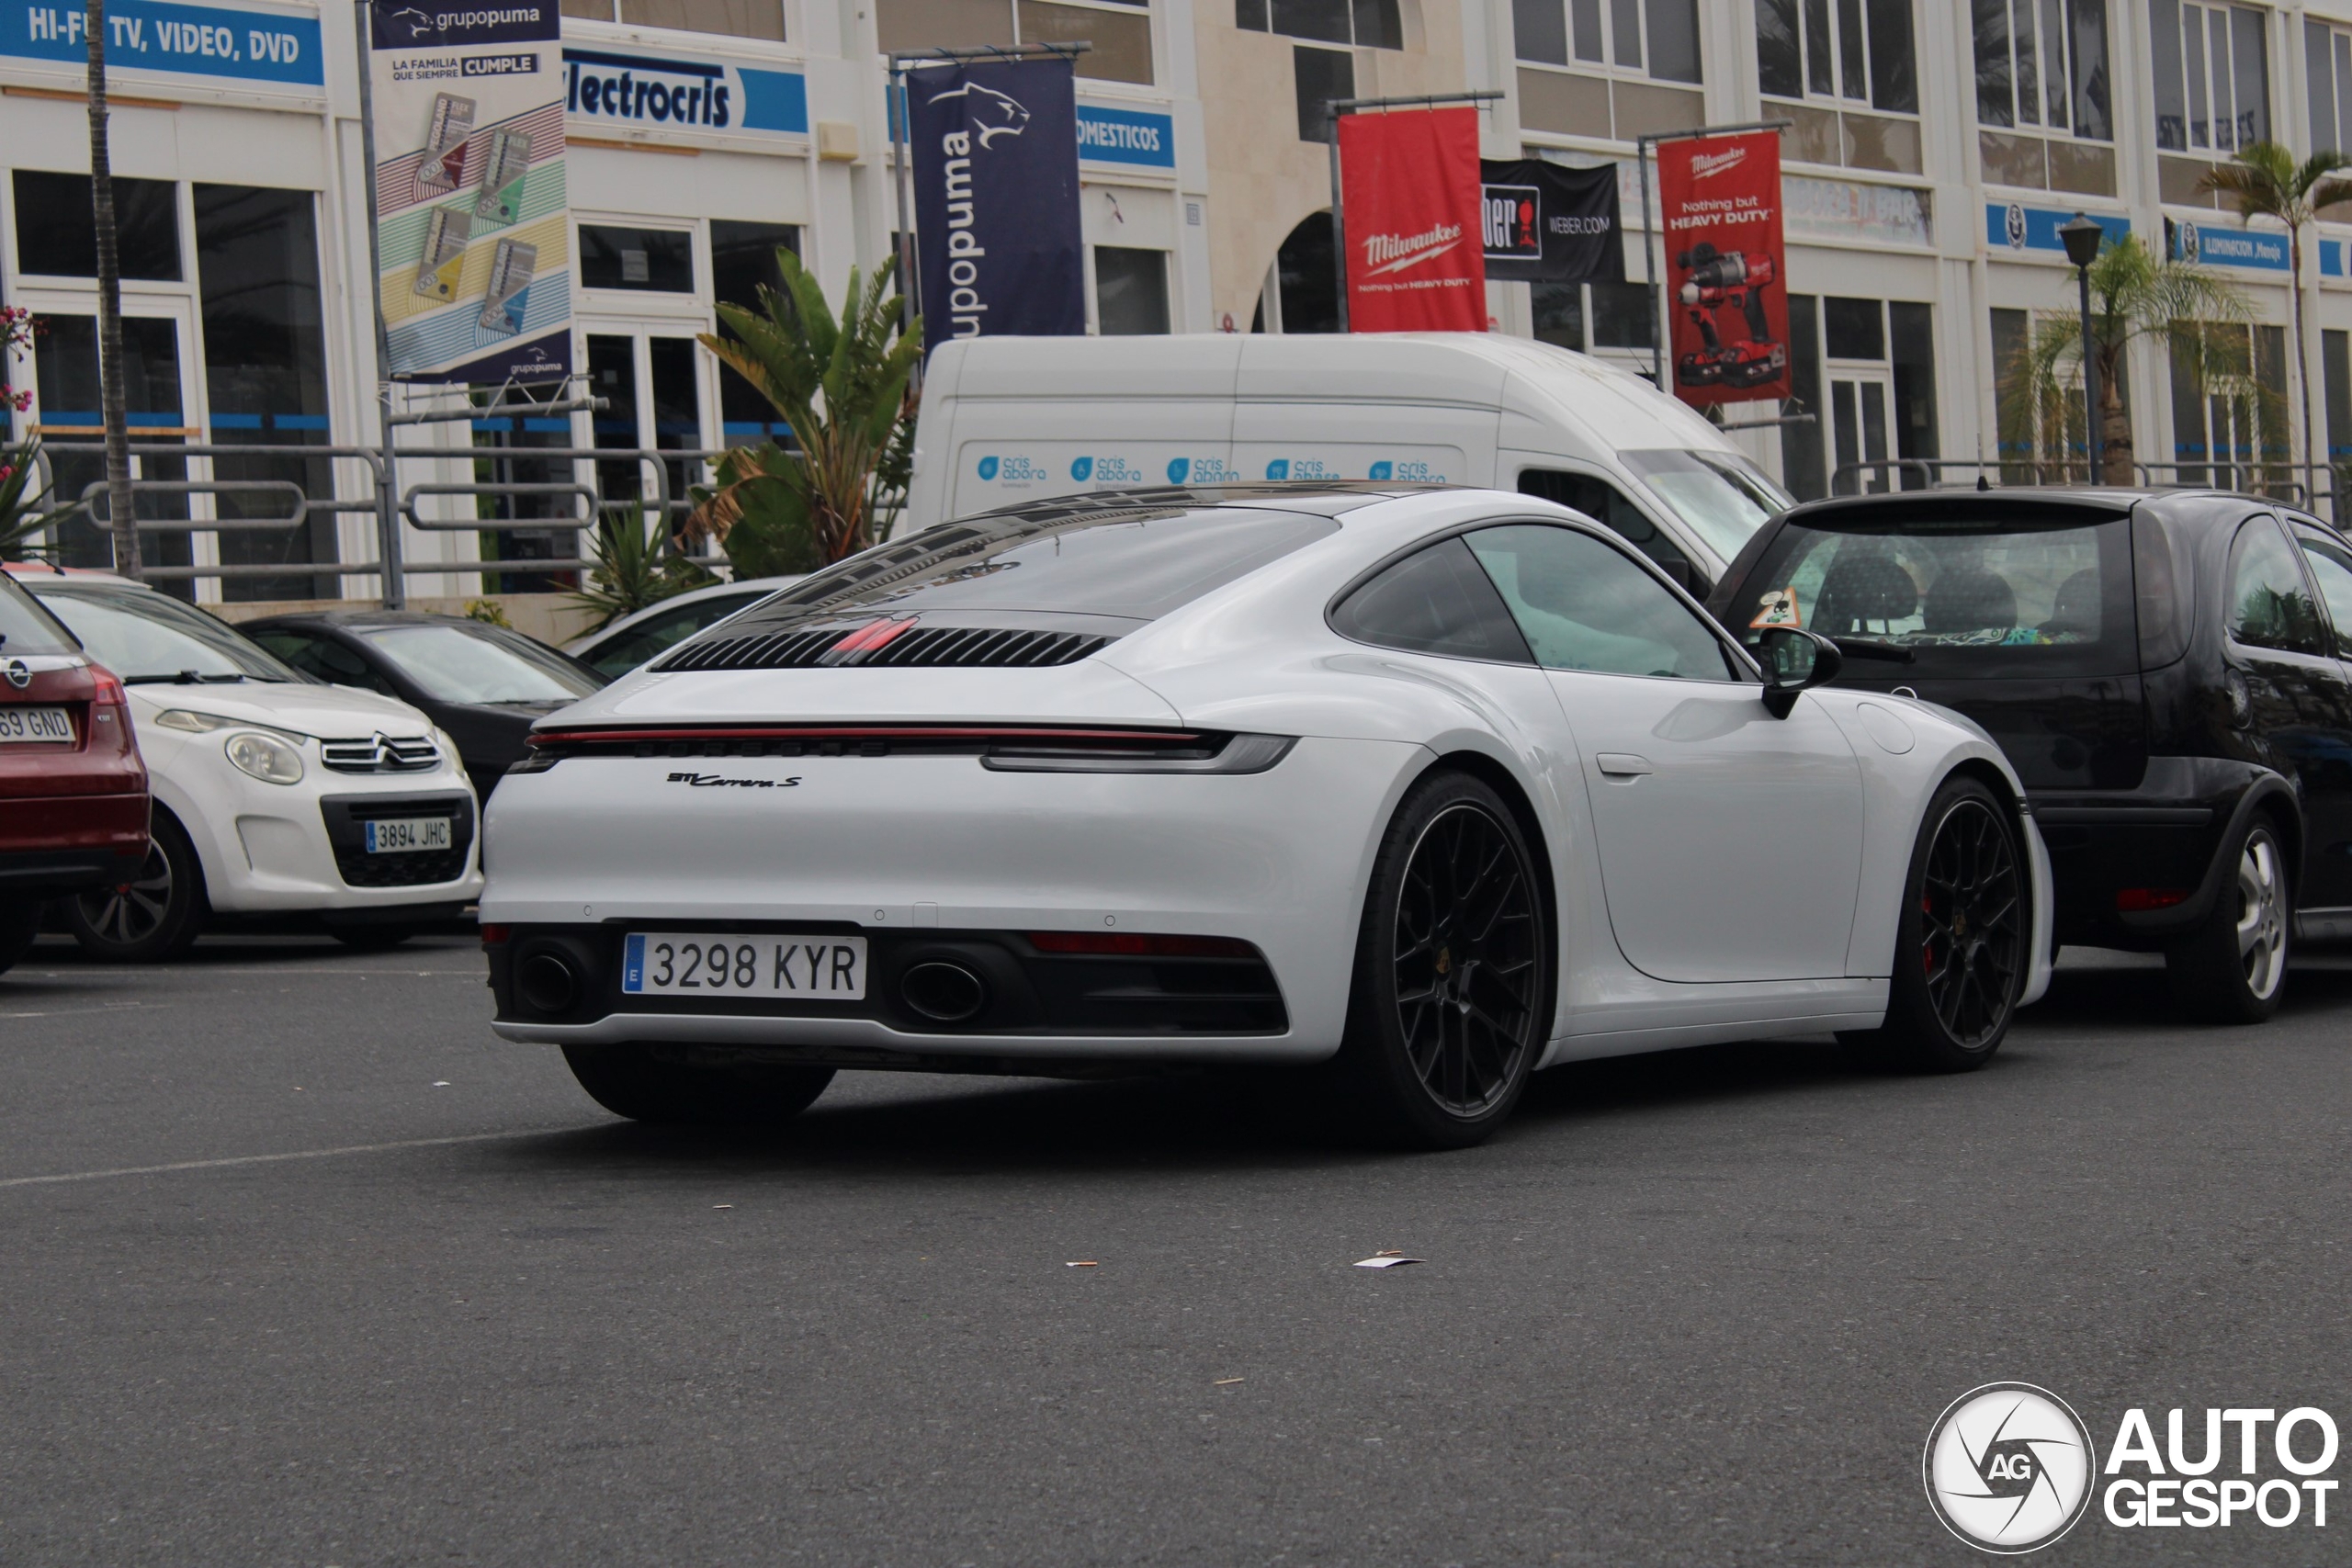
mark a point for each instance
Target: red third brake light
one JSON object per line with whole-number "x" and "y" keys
{"x": 2138, "y": 900}
{"x": 1137, "y": 944}
{"x": 872, "y": 635}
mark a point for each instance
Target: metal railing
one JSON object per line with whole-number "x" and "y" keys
{"x": 358, "y": 480}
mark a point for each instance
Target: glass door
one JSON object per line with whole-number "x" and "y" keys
{"x": 652, "y": 383}
{"x": 161, "y": 399}
{"x": 1860, "y": 401}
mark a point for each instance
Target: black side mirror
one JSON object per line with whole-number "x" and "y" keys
{"x": 1794, "y": 659}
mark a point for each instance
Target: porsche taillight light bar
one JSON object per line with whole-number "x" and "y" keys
{"x": 1042, "y": 749}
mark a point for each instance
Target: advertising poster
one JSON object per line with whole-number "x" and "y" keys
{"x": 1409, "y": 195}
{"x": 468, "y": 98}
{"x": 1726, "y": 281}
{"x": 1546, "y": 223}
{"x": 997, "y": 242}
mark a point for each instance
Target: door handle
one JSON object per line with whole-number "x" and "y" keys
{"x": 1622, "y": 764}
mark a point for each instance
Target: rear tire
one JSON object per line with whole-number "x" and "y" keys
{"x": 2233, "y": 967}
{"x": 19, "y": 923}
{"x": 1962, "y": 938}
{"x": 154, "y": 917}
{"x": 628, "y": 1081}
{"x": 1452, "y": 986}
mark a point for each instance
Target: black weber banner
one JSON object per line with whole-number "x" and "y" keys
{"x": 995, "y": 158}
{"x": 1546, "y": 223}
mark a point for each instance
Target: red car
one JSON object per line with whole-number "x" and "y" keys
{"x": 72, "y": 790}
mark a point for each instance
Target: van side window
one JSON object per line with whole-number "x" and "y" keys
{"x": 1605, "y": 504}
{"x": 1434, "y": 600}
{"x": 2270, "y": 604}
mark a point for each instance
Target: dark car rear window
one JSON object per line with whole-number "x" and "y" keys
{"x": 26, "y": 628}
{"x": 1961, "y": 596}
{"x": 1138, "y": 564}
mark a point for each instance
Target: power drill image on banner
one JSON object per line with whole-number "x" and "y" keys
{"x": 1728, "y": 299}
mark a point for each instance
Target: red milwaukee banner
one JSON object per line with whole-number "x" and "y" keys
{"x": 1726, "y": 278}
{"x": 1409, "y": 185}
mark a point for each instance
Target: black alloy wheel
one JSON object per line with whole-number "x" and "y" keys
{"x": 2233, "y": 967}
{"x": 152, "y": 917}
{"x": 1963, "y": 938}
{"x": 1454, "y": 970}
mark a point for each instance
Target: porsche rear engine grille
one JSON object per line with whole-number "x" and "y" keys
{"x": 921, "y": 646}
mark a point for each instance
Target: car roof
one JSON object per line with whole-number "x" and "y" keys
{"x": 1327, "y": 498}
{"x": 367, "y": 617}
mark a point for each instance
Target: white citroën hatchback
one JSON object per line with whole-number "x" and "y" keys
{"x": 1434, "y": 787}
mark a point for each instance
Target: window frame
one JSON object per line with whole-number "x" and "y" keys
{"x": 1607, "y": 64}
{"x": 2213, "y": 85}
{"x": 2336, "y": 60}
{"x": 2240, "y": 545}
{"x": 2076, "y": 84}
{"x": 1837, "y": 97}
{"x": 1748, "y": 670}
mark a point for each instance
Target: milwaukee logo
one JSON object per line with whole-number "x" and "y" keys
{"x": 1392, "y": 253}
{"x": 1716, "y": 163}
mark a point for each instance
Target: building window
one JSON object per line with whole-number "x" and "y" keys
{"x": 2327, "y": 62}
{"x": 657, "y": 261}
{"x": 1320, "y": 77}
{"x": 1845, "y": 56}
{"x": 1622, "y": 66}
{"x": 736, "y": 18}
{"x": 58, "y": 236}
{"x": 2042, "y": 93}
{"x": 743, "y": 261}
{"x": 1622, "y": 316}
{"x": 2335, "y": 365}
{"x": 1120, "y": 34}
{"x": 65, "y": 375}
{"x": 265, "y": 377}
{"x": 1366, "y": 24}
{"x": 2226, "y": 428}
{"x": 1804, "y": 455}
{"x": 1130, "y": 291}
{"x": 2212, "y": 90}
{"x": 1877, "y": 359}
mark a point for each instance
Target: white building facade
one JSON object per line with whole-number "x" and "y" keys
{"x": 1935, "y": 146}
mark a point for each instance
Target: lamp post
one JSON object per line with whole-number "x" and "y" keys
{"x": 2082, "y": 237}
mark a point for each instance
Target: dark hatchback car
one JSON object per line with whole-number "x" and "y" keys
{"x": 486, "y": 686}
{"x": 2166, "y": 671}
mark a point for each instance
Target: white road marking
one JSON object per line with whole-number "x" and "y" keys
{"x": 70, "y": 1012}
{"x": 298, "y": 1154}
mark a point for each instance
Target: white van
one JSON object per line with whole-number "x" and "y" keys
{"x": 1009, "y": 419}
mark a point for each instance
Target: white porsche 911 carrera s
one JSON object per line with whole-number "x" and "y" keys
{"x": 1435, "y": 787}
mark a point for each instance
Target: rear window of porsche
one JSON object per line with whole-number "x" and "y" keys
{"x": 1135, "y": 564}
{"x": 1952, "y": 597}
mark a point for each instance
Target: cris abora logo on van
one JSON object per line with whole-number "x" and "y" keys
{"x": 988, "y": 468}
{"x": 1176, "y": 469}
{"x": 1081, "y": 469}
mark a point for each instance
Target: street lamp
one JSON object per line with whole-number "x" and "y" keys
{"x": 2082, "y": 237}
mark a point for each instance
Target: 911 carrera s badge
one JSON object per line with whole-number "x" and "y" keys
{"x": 712, "y": 781}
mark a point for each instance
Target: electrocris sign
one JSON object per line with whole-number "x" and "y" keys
{"x": 997, "y": 234}
{"x": 644, "y": 92}
{"x": 239, "y": 44}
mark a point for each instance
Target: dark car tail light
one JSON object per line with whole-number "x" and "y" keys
{"x": 496, "y": 936}
{"x": 2140, "y": 900}
{"x": 110, "y": 689}
{"x": 1139, "y": 944}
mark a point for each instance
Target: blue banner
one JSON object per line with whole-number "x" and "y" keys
{"x": 2228, "y": 247}
{"x": 671, "y": 93}
{"x": 246, "y": 45}
{"x": 995, "y": 156}
{"x": 2023, "y": 227}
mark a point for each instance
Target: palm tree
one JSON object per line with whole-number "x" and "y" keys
{"x": 842, "y": 389}
{"x": 2134, "y": 295}
{"x": 112, "y": 397}
{"x": 2267, "y": 182}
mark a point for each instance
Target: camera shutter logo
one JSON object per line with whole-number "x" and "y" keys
{"x": 2009, "y": 1468}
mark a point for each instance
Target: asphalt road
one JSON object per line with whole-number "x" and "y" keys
{"x": 400, "y": 1293}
